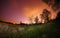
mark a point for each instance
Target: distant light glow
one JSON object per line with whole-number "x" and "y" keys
{"x": 17, "y": 11}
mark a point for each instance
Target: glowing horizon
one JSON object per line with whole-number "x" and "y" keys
{"x": 16, "y": 11}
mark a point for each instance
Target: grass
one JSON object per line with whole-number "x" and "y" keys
{"x": 38, "y": 31}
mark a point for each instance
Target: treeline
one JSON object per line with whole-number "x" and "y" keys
{"x": 42, "y": 18}
{"x": 5, "y": 22}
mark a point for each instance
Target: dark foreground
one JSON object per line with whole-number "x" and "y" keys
{"x": 48, "y": 30}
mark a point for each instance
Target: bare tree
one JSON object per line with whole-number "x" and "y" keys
{"x": 42, "y": 18}
{"x": 31, "y": 19}
{"x": 36, "y": 19}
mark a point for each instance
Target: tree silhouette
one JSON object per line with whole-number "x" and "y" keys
{"x": 5, "y": 22}
{"x": 47, "y": 2}
{"x": 54, "y": 4}
{"x": 58, "y": 18}
{"x": 45, "y": 15}
{"x": 41, "y": 17}
{"x": 31, "y": 19}
{"x": 57, "y": 22}
{"x": 36, "y": 19}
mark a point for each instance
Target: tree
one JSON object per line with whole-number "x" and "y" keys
{"x": 45, "y": 15}
{"x": 57, "y": 21}
{"x": 47, "y": 1}
{"x": 56, "y": 5}
{"x": 31, "y": 20}
{"x": 42, "y": 18}
{"x": 53, "y": 3}
{"x": 5, "y": 22}
{"x": 58, "y": 17}
{"x": 36, "y": 19}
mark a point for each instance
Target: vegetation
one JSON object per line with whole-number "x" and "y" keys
{"x": 46, "y": 30}
{"x": 54, "y": 4}
{"x": 34, "y": 31}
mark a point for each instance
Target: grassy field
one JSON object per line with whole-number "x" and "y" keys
{"x": 47, "y": 30}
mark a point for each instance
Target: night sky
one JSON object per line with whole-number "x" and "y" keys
{"x": 20, "y": 10}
